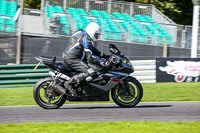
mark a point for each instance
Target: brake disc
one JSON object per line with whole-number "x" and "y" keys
{"x": 127, "y": 96}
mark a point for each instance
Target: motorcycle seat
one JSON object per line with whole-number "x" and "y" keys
{"x": 48, "y": 58}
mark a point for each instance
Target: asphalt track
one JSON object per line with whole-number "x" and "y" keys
{"x": 160, "y": 111}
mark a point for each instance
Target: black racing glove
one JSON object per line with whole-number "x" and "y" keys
{"x": 105, "y": 64}
{"x": 107, "y": 57}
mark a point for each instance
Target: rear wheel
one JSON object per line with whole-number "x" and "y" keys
{"x": 45, "y": 96}
{"x": 129, "y": 94}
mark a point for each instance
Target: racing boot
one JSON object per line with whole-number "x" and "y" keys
{"x": 69, "y": 86}
{"x": 75, "y": 80}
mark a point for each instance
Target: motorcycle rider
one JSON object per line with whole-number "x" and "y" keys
{"x": 80, "y": 53}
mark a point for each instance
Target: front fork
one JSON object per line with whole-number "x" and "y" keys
{"x": 124, "y": 88}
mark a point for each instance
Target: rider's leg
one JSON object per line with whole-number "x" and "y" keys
{"x": 78, "y": 66}
{"x": 76, "y": 79}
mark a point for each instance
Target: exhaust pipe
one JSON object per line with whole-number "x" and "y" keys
{"x": 57, "y": 88}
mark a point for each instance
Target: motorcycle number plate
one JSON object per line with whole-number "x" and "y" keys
{"x": 125, "y": 61}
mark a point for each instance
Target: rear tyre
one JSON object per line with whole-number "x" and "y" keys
{"x": 45, "y": 96}
{"x": 129, "y": 96}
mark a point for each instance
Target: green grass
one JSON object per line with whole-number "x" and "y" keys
{"x": 153, "y": 92}
{"x": 157, "y": 92}
{"x": 103, "y": 127}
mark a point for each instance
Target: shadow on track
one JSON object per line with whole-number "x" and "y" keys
{"x": 152, "y": 106}
{"x": 117, "y": 107}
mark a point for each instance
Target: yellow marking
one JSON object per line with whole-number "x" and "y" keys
{"x": 36, "y": 66}
{"x": 125, "y": 61}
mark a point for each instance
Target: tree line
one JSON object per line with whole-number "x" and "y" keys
{"x": 180, "y": 11}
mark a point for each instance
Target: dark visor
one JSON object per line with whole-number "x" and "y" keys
{"x": 96, "y": 35}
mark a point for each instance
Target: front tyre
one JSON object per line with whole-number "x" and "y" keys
{"x": 45, "y": 96}
{"x": 129, "y": 94}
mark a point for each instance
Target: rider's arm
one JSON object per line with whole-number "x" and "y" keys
{"x": 98, "y": 53}
{"x": 91, "y": 57}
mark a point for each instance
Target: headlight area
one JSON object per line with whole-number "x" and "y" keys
{"x": 131, "y": 64}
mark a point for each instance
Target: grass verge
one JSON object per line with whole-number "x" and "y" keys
{"x": 103, "y": 127}
{"x": 153, "y": 92}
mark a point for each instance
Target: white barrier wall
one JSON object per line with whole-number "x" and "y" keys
{"x": 145, "y": 70}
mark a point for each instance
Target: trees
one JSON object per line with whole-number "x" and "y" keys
{"x": 180, "y": 11}
{"x": 34, "y": 4}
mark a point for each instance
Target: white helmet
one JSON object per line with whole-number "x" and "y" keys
{"x": 93, "y": 30}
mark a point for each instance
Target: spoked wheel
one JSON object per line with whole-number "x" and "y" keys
{"x": 129, "y": 94}
{"x": 45, "y": 96}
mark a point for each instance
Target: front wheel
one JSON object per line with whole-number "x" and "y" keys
{"x": 127, "y": 94}
{"x": 45, "y": 96}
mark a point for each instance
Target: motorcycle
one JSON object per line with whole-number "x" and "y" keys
{"x": 125, "y": 90}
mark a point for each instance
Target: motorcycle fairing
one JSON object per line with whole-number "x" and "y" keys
{"x": 101, "y": 92}
{"x": 97, "y": 95}
{"x": 106, "y": 87}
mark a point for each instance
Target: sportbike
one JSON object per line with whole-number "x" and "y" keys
{"x": 114, "y": 80}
